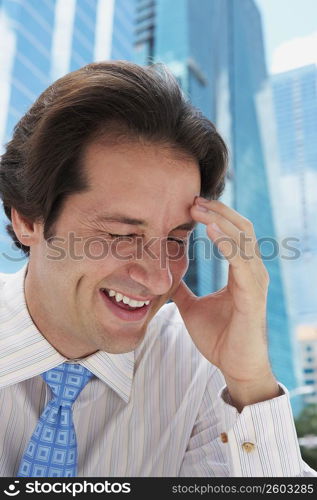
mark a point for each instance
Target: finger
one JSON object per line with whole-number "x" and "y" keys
{"x": 224, "y": 224}
{"x": 240, "y": 269}
{"x": 227, "y": 245}
{"x": 229, "y": 213}
{"x": 183, "y": 296}
{"x": 247, "y": 244}
{"x": 246, "y": 274}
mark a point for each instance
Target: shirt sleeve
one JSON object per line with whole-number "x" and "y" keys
{"x": 260, "y": 441}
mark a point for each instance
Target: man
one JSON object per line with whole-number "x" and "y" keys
{"x": 103, "y": 182}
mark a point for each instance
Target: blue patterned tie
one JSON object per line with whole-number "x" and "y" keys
{"x": 52, "y": 449}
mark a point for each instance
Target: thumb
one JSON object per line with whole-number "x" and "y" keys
{"x": 183, "y": 296}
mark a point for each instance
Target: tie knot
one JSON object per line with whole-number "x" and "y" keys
{"x": 66, "y": 382}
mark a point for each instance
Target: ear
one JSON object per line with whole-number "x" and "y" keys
{"x": 25, "y": 231}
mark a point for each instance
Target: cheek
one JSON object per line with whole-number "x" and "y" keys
{"x": 97, "y": 252}
{"x": 96, "y": 249}
{"x": 179, "y": 266}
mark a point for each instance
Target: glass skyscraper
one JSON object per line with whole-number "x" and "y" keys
{"x": 295, "y": 102}
{"x": 181, "y": 38}
{"x": 215, "y": 49}
{"x": 295, "y": 99}
{"x": 41, "y": 41}
{"x": 249, "y": 138}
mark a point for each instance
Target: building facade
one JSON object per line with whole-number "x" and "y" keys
{"x": 295, "y": 100}
{"x": 295, "y": 104}
{"x": 41, "y": 41}
{"x": 307, "y": 337}
{"x": 215, "y": 49}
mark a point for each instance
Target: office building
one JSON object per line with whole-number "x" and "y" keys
{"x": 215, "y": 49}
{"x": 307, "y": 337}
{"x": 41, "y": 41}
{"x": 295, "y": 103}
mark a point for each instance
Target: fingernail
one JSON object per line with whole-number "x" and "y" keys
{"x": 199, "y": 199}
{"x": 216, "y": 228}
{"x": 201, "y": 209}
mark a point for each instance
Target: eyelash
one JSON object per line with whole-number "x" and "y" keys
{"x": 180, "y": 242}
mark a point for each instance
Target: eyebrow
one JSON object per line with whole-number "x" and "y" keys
{"x": 186, "y": 226}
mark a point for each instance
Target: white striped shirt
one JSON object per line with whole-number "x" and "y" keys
{"x": 157, "y": 411}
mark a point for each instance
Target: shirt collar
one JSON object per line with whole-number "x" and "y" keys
{"x": 25, "y": 353}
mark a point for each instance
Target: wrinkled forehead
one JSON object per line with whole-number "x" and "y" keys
{"x": 147, "y": 181}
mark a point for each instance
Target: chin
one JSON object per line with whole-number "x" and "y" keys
{"x": 122, "y": 347}
{"x": 122, "y": 340}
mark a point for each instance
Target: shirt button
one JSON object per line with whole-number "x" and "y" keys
{"x": 224, "y": 437}
{"x": 248, "y": 447}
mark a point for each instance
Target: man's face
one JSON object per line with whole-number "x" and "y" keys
{"x": 141, "y": 192}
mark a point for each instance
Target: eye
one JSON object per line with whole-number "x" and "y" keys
{"x": 180, "y": 242}
{"x": 133, "y": 235}
{"x": 122, "y": 236}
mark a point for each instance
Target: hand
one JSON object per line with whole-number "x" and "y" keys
{"x": 229, "y": 326}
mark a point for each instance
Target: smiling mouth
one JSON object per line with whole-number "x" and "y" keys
{"x": 122, "y": 305}
{"x": 123, "y": 311}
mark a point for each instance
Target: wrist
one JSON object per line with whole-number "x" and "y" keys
{"x": 243, "y": 393}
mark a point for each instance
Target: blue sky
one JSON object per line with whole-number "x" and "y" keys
{"x": 290, "y": 30}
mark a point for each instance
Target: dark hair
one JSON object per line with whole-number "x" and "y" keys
{"x": 41, "y": 165}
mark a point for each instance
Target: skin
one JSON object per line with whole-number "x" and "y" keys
{"x": 229, "y": 326}
{"x": 63, "y": 295}
{"x": 157, "y": 184}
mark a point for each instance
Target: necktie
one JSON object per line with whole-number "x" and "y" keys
{"x": 52, "y": 449}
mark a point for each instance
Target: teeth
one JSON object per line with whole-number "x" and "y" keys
{"x": 126, "y": 300}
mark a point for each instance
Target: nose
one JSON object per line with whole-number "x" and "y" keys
{"x": 152, "y": 271}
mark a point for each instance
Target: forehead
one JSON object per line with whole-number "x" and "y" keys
{"x": 142, "y": 180}
{"x": 136, "y": 156}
